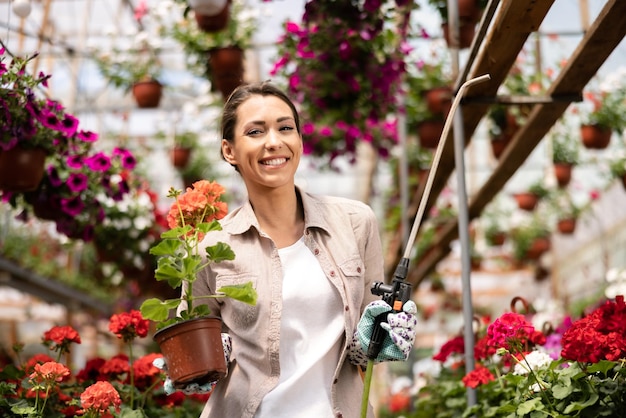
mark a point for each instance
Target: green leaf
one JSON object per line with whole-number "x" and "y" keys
{"x": 241, "y": 292}
{"x": 561, "y": 391}
{"x": 166, "y": 247}
{"x": 579, "y": 406}
{"x": 132, "y": 413}
{"x": 206, "y": 227}
{"x": 158, "y": 310}
{"x": 220, "y": 252}
{"x": 603, "y": 366}
{"x": 530, "y": 405}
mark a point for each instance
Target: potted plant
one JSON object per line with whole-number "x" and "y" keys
{"x": 349, "y": 94}
{"x": 136, "y": 69}
{"x": 566, "y": 212}
{"x": 72, "y": 176}
{"x": 530, "y": 239}
{"x": 565, "y": 155}
{"x": 527, "y": 200}
{"x": 494, "y": 221}
{"x": 617, "y": 166}
{"x": 606, "y": 116}
{"x": 178, "y": 262}
{"x": 183, "y": 145}
{"x": 219, "y": 55}
{"x": 469, "y": 14}
{"x": 428, "y": 99}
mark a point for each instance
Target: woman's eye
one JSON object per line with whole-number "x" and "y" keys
{"x": 286, "y": 128}
{"x": 254, "y": 132}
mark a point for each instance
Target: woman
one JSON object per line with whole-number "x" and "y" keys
{"x": 312, "y": 261}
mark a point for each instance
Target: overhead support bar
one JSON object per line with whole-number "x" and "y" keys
{"x": 525, "y": 100}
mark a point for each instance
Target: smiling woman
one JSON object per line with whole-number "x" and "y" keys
{"x": 303, "y": 253}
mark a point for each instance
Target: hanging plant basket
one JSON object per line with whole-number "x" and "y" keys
{"x": 563, "y": 173}
{"x": 526, "y": 200}
{"x": 21, "y": 169}
{"x": 566, "y": 226}
{"x": 595, "y": 136}
{"x": 211, "y": 15}
{"x": 429, "y": 131}
{"x": 467, "y": 31}
{"x": 226, "y": 69}
{"x": 438, "y": 100}
{"x": 536, "y": 249}
{"x": 499, "y": 144}
{"x": 180, "y": 156}
{"x": 193, "y": 351}
{"x": 147, "y": 93}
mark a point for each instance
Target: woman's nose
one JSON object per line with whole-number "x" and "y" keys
{"x": 273, "y": 140}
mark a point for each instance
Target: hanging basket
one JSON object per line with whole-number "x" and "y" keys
{"x": 226, "y": 69}
{"x": 211, "y": 15}
{"x": 563, "y": 173}
{"x": 193, "y": 351}
{"x": 180, "y": 156}
{"x": 147, "y": 94}
{"x": 21, "y": 169}
{"x": 566, "y": 226}
{"x": 467, "y": 31}
{"x": 595, "y": 136}
{"x": 429, "y": 131}
{"x": 536, "y": 249}
{"x": 526, "y": 200}
{"x": 438, "y": 100}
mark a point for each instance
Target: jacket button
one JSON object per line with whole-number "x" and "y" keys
{"x": 332, "y": 273}
{"x": 347, "y": 308}
{"x": 317, "y": 251}
{"x": 358, "y": 269}
{"x": 339, "y": 415}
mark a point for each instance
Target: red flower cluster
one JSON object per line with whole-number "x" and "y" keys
{"x": 128, "y": 325}
{"x": 100, "y": 397}
{"x": 200, "y": 203}
{"x": 452, "y": 346}
{"x": 479, "y": 376}
{"x": 512, "y": 331}
{"x": 599, "y": 336}
{"x": 60, "y": 338}
{"x": 49, "y": 372}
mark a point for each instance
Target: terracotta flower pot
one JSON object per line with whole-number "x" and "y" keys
{"x": 526, "y": 200}
{"x": 595, "y": 137}
{"x": 496, "y": 239}
{"x": 438, "y": 100}
{"x": 209, "y": 21}
{"x": 469, "y": 10}
{"x": 193, "y": 351}
{"x": 566, "y": 226}
{"x": 429, "y": 132}
{"x": 227, "y": 69}
{"x": 539, "y": 246}
{"x": 147, "y": 93}
{"x": 180, "y": 156}
{"x": 467, "y": 31}
{"x": 21, "y": 169}
{"x": 563, "y": 173}
{"x": 499, "y": 144}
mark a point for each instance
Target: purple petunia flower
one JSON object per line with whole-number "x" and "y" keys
{"x": 72, "y": 206}
{"x": 53, "y": 176}
{"x": 77, "y": 182}
{"x": 74, "y": 161}
{"x": 50, "y": 120}
{"x": 99, "y": 162}
{"x": 127, "y": 158}
{"x": 69, "y": 125}
{"x": 87, "y": 136}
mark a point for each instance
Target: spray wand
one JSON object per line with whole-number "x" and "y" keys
{"x": 399, "y": 291}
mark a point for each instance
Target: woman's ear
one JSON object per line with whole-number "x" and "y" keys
{"x": 227, "y": 152}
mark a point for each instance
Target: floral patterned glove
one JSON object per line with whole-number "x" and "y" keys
{"x": 193, "y": 388}
{"x": 400, "y": 327}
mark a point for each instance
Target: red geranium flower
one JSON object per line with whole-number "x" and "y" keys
{"x": 60, "y": 338}
{"x": 479, "y": 376}
{"x": 128, "y": 325}
{"x": 100, "y": 397}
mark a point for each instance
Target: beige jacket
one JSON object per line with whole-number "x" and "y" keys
{"x": 344, "y": 236}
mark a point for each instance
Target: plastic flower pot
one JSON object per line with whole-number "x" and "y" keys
{"x": 566, "y": 226}
{"x": 21, "y": 169}
{"x": 563, "y": 173}
{"x": 526, "y": 200}
{"x": 193, "y": 351}
{"x": 226, "y": 69}
{"x": 206, "y": 17}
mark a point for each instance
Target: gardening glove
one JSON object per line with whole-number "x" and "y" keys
{"x": 398, "y": 342}
{"x": 194, "y": 388}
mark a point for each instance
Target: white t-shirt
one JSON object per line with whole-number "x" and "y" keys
{"x": 310, "y": 335}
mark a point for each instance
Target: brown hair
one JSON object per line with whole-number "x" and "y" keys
{"x": 243, "y": 93}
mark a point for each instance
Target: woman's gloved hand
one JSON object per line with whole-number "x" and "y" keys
{"x": 398, "y": 342}
{"x": 194, "y": 388}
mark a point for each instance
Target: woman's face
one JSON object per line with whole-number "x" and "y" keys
{"x": 267, "y": 146}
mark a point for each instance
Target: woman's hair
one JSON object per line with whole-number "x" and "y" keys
{"x": 243, "y": 93}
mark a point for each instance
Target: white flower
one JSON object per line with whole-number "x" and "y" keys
{"x": 535, "y": 359}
